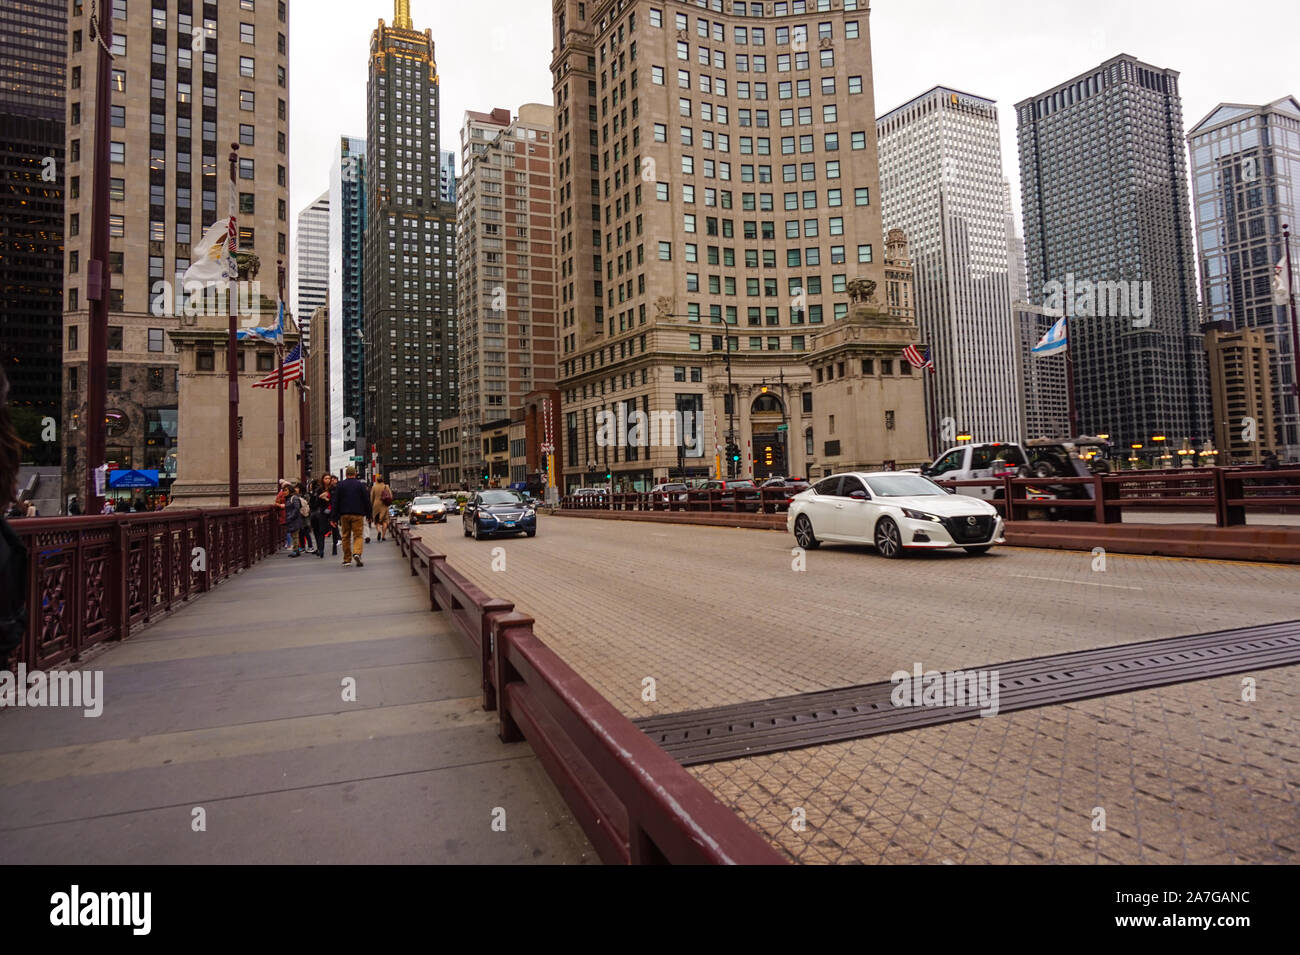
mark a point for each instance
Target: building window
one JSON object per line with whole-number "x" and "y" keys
{"x": 205, "y": 361}
{"x": 246, "y": 66}
{"x": 155, "y": 379}
{"x": 72, "y": 337}
{"x": 117, "y": 152}
{"x": 246, "y": 102}
{"x": 155, "y": 339}
{"x": 114, "y": 377}
{"x": 114, "y": 337}
{"x": 246, "y": 33}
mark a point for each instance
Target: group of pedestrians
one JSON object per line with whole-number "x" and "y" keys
{"x": 338, "y": 509}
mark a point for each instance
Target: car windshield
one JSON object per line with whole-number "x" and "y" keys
{"x": 903, "y": 485}
{"x": 426, "y": 502}
{"x": 500, "y": 497}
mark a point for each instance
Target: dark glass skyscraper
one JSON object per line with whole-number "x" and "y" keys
{"x": 33, "y": 56}
{"x": 1104, "y": 186}
{"x": 1246, "y": 185}
{"x": 410, "y": 256}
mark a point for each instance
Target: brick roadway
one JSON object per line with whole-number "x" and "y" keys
{"x": 719, "y": 615}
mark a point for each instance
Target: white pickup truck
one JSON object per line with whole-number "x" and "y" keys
{"x": 1041, "y": 458}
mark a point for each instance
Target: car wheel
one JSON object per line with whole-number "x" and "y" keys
{"x": 803, "y": 533}
{"x": 478, "y": 532}
{"x": 888, "y": 540}
{"x": 977, "y": 551}
{"x": 531, "y": 533}
{"x": 464, "y": 528}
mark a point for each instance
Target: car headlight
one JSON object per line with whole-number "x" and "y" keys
{"x": 920, "y": 516}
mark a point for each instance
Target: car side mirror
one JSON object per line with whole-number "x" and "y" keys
{"x": 859, "y": 496}
{"x": 926, "y": 469}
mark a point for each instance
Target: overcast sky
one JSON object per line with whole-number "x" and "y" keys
{"x": 497, "y": 53}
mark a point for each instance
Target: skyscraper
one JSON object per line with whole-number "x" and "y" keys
{"x": 1104, "y": 191}
{"x": 1245, "y": 186}
{"x": 179, "y": 99}
{"x": 311, "y": 271}
{"x": 941, "y": 182}
{"x": 410, "y": 293}
{"x": 505, "y": 259}
{"x": 447, "y": 176}
{"x": 348, "y": 216}
{"x": 678, "y": 129}
{"x": 33, "y": 55}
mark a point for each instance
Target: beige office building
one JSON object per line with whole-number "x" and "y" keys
{"x": 716, "y": 178}
{"x": 505, "y": 264}
{"x": 1241, "y": 388}
{"x": 185, "y": 85}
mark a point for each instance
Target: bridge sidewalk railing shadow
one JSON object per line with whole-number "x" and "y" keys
{"x": 636, "y": 804}
{"x": 92, "y": 579}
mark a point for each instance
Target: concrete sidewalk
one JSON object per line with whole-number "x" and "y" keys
{"x": 232, "y": 712}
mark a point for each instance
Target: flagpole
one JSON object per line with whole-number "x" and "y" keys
{"x": 232, "y": 357}
{"x": 934, "y": 408}
{"x": 279, "y": 387}
{"x": 1069, "y": 369}
{"x": 1295, "y": 331}
{"x": 98, "y": 281}
{"x": 302, "y": 420}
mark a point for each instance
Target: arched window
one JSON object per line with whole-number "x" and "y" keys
{"x": 766, "y": 404}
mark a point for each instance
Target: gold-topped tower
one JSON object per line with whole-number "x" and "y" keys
{"x": 402, "y": 15}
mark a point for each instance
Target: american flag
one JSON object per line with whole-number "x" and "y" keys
{"x": 913, "y": 356}
{"x": 291, "y": 370}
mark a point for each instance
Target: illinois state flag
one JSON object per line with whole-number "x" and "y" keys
{"x": 214, "y": 258}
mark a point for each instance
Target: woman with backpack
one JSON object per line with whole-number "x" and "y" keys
{"x": 296, "y": 511}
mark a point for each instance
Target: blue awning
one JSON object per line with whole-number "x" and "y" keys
{"x": 133, "y": 479}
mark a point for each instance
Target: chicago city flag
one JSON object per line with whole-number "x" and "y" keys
{"x": 1052, "y": 342}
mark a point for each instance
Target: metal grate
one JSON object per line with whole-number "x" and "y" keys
{"x": 828, "y": 716}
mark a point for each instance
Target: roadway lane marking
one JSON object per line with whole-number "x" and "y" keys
{"x": 1066, "y": 580}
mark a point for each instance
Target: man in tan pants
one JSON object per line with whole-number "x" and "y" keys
{"x": 348, "y": 512}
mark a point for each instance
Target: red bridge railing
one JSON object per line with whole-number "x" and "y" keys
{"x": 635, "y": 802}
{"x": 91, "y": 579}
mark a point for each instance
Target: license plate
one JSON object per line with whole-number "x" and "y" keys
{"x": 510, "y": 523}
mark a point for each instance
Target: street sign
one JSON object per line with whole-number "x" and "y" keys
{"x": 782, "y": 427}
{"x": 358, "y": 458}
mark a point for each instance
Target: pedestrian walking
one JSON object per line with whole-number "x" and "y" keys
{"x": 296, "y": 511}
{"x": 348, "y": 510}
{"x": 281, "y": 498}
{"x": 108, "y": 508}
{"x": 381, "y": 496}
{"x": 331, "y": 488}
{"x": 319, "y": 503}
{"x": 13, "y": 555}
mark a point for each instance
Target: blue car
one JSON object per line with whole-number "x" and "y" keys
{"x": 494, "y": 513}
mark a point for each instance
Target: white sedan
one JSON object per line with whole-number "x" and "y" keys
{"x": 893, "y": 511}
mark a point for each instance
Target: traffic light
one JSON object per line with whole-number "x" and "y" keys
{"x": 608, "y": 476}
{"x": 767, "y": 455}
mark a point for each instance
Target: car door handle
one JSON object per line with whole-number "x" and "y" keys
{"x": 839, "y": 507}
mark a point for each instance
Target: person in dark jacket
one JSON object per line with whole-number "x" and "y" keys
{"x": 319, "y": 502}
{"x": 350, "y": 506}
{"x": 13, "y": 555}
